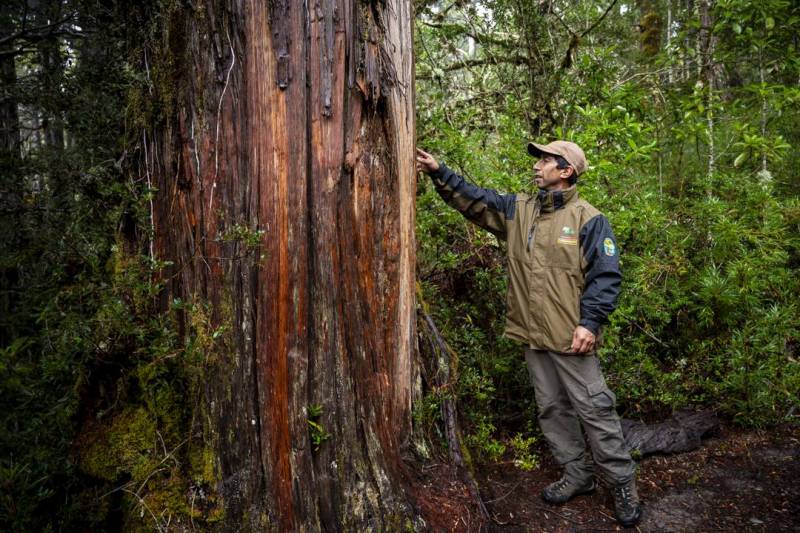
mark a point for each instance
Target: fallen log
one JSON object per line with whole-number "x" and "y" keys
{"x": 680, "y": 433}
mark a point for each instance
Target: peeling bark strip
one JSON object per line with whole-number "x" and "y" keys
{"x": 295, "y": 123}
{"x": 279, "y": 16}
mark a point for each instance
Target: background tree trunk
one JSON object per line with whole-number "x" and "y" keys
{"x": 9, "y": 113}
{"x": 283, "y": 165}
{"x": 53, "y": 64}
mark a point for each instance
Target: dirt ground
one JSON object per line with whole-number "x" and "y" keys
{"x": 737, "y": 481}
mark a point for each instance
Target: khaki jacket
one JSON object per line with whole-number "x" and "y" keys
{"x": 563, "y": 260}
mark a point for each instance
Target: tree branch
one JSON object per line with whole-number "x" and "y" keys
{"x": 444, "y": 354}
{"x": 575, "y": 38}
{"x": 598, "y": 21}
{"x": 477, "y": 62}
{"x": 15, "y": 52}
{"x": 39, "y": 32}
{"x": 481, "y": 38}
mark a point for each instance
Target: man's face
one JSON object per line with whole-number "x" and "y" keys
{"x": 547, "y": 176}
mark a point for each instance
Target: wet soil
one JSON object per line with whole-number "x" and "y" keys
{"x": 736, "y": 481}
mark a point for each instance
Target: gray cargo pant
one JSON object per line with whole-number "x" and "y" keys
{"x": 571, "y": 392}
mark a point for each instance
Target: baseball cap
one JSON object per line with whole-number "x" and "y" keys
{"x": 566, "y": 149}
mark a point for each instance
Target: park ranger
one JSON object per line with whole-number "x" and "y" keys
{"x": 564, "y": 279}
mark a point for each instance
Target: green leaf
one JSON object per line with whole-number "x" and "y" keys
{"x": 770, "y": 23}
{"x": 737, "y": 28}
{"x": 740, "y": 159}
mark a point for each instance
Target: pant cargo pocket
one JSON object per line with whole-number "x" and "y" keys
{"x": 601, "y": 396}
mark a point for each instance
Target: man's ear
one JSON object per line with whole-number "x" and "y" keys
{"x": 570, "y": 172}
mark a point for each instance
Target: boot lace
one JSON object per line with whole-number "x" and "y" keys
{"x": 560, "y": 485}
{"x": 623, "y": 497}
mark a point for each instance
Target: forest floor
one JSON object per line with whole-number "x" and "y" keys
{"x": 736, "y": 481}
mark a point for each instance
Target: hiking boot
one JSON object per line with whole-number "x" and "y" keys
{"x": 626, "y": 504}
{"x": 565, "y": 489}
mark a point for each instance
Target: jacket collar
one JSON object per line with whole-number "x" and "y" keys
{"x": 550, "y": 201}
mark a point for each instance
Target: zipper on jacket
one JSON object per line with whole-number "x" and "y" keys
{"x": 532, "y": 231}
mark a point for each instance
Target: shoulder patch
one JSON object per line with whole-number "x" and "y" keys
{"x": 609, "y": 247}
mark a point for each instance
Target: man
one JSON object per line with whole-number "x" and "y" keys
{"x": 564, "y": 280}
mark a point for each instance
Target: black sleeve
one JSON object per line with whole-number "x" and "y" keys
{"x": 485, "y": 207}
{"x": 602, "y": 277}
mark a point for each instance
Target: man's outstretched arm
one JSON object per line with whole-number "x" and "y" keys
{"x": 485, "y": 207}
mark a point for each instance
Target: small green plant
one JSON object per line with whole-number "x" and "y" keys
{"x": 524, "y": 456}
{"x": 483, "y": 444}
{"x": 315, "y": 430}
{"x": 250, "y": 238}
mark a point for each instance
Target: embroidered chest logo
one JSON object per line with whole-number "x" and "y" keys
{"x": 608, "y": 247}
{"x": 568, "y": 236}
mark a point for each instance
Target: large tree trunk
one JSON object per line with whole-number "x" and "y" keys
{"x": 284, "y": 171}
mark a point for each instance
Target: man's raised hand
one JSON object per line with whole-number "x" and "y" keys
{"x": 426, "y": 163}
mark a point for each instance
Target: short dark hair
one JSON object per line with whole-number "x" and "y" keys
{"x": 563, "y": 163}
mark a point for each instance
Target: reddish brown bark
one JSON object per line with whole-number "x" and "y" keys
{"x": 296, "y": 120}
